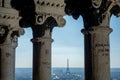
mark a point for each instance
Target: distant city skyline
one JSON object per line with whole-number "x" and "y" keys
{"x": 68, "y": 44}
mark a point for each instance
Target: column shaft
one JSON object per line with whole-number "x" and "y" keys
{"x": 97, "y": 53}
{"x": 42, "y": 57}
{"x": 7, "y": 62}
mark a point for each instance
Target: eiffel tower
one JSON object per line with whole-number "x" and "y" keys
{"x": 68, "y": 69}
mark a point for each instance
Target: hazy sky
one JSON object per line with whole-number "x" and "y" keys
{"x": 68, "y": 44}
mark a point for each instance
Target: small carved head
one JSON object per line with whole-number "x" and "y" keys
{"x": 3, "y": 33}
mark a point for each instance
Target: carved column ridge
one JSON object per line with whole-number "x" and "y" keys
{"x": 42, "y": 39}
{"x": 97, "y": 30}
{"x": 50, "y": 6}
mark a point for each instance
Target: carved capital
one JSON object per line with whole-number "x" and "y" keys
{"x": 96, "y": 3}
{"x": 47, "y": 26}
{"x": 36, "y": 12}
{"x": 9, "y": 35}
{"x": 9, "y": 27}
{"x": 96, "y": 14}
{"x": 42, "y": 17}
{"x": 49, "y": 13}
{"x": 50, "y": 6}
{"x": 47, "y": 8}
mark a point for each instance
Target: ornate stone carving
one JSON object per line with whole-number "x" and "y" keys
{"x": 42, "y": 17}
{"x": 40, "y": 30}
{"x": 9, "y": 35}
{"x": 96, "y": 3}
{"x": 48, "y": 8}
{"x": 2, "y": 31}
{"x": 98, "y": 13}
{"x": 106, "y": 15}
{"x": 116, "y": 9}
{"x": 9, "y": 27}
{"x": 36, "y": 12}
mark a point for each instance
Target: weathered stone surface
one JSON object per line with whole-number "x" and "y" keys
{"x": 35, "y": 12}
{"x": 97, "y": 53}
{"x": 96, "y": 16}
{"x": 41, "y": 16}
{"x": 9, "y": 33}
{"x": 42, "y": 54}
{"x": 42, "y": 49}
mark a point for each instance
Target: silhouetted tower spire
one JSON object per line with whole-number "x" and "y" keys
{"x": 68, "y": 70}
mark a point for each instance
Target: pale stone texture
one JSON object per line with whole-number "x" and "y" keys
{"x": 5, "y": 3}
{"x": 7, "y": 63}
{"x": 50, "y": 8}
{"x": 9, "y": 33}
{"x": 97, "y": 53}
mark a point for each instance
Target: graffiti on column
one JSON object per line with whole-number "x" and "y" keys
{"x": 101, "y": 48}
{"x": 104, "y": 48}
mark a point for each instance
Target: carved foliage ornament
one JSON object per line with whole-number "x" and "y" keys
{"x": 9, "y": 34}
{"x": 96, "y": 3}
{"x": 117, "y": 10}
{"x": 94, "y": 13}
{"x": 3, "y": 33}
{"x": 41, "y": 18}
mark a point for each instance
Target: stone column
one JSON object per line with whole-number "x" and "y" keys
{"x": 41, "y": 16}
{"x": 97, "y": 53}
{"x": 96, "y": 17}
{"x": 48, "y": 15}
{"x": 42, "y": 40}
{"x": 42, "y": 52}
{"x": 9, "y": 33}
